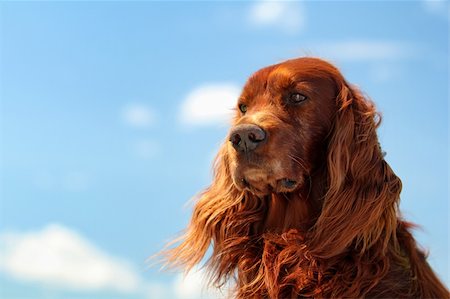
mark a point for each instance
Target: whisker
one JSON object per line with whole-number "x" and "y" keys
{"x": 299, "y": 161}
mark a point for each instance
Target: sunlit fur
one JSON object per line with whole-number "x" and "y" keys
{"x": 340, "y": 236}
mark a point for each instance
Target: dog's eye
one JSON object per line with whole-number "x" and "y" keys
{"x": 296, "y": 98}
{"x": 243, "y": 108}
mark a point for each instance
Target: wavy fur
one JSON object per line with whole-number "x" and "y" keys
{"x": 353, "y": 245}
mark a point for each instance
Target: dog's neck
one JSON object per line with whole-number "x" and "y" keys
{"x": 286, "y": 211}
{"x": 297, "y": 210}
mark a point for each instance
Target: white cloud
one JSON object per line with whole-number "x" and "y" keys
{"x": 194, "y": 286}
{"x": 59, "y": 257}
{"x": 365, "y": 50}
{"x": 209, "y": 104}
{"x": 138, "y": 116}
{"x": 158, "y": 290}
{"x": 190, "y": 286}
{"x": 288, "y": 16}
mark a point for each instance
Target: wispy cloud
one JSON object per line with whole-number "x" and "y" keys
{"x": 209, "y": 104}
{"x": 380, "y": 72}
{"x": 383, "y": 58}
{"x": 437, "y": 7}
{"x": 76, "y": 181}
{"x": 141, "y": 116}
{"x": 289, "y": 16}
{"x": 71, "y": 181}
{"x": 59, "y": 257}
{"x": 146, "y": 149}
{"x": 138, "y": 115}
{"x": 364, "y": 50}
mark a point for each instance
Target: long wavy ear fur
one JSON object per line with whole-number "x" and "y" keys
{"x": 210, "y": 207}
{"x": 361, "y": 203}
{"x": 359, "y": 222}
{"x": 223, "y": 216}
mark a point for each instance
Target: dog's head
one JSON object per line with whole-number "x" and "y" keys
{"x": 283, "y": 118}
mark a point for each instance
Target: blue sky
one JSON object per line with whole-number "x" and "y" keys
{"x": 111, "y": 113}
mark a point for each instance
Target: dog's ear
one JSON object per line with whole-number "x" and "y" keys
{"x": 361, "y": 203}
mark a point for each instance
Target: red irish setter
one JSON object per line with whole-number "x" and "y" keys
{"x": 303, "y": 203}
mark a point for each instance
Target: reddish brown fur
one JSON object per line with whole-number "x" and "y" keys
{"x": 339, "y": 233}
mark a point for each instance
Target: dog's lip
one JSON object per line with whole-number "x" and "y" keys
{"x": 283, "y": 185}
{"x": 256, "y": 189}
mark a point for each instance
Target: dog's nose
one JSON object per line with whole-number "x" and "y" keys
{"x": 246, "y": 138}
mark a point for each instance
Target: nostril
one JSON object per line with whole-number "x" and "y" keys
{"x": 256, "y": 135}
{"x": 236, "y": 139}
{"x": 253, "y": 138}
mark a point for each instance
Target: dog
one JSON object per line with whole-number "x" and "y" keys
{"x": 303, "y": 203}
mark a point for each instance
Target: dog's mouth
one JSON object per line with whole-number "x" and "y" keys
{"x": 262, "y": 183}
{"x": 284, "y": 185}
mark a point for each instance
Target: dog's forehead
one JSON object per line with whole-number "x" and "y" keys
{"x": 295, "y": 69}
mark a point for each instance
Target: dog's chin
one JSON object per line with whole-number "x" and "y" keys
{"x": 262, "y": 184}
